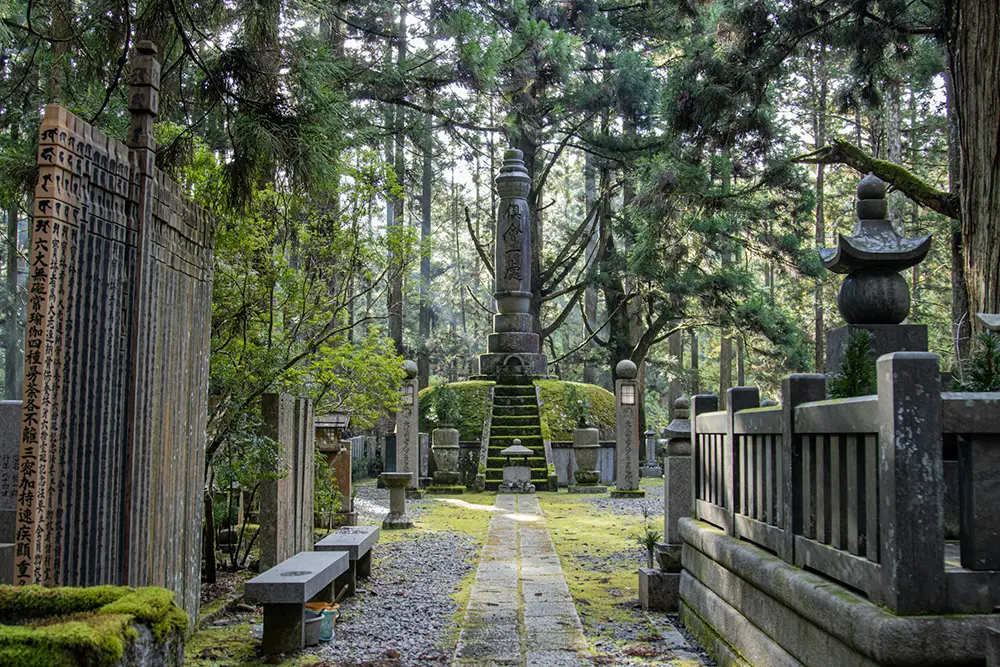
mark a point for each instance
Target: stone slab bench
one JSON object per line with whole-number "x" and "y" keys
{"x": 285, "y": 588}
{"x": 357, "y": 542}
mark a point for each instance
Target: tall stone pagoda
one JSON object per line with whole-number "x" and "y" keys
{"x": 513, "y": 347}
{"x": 874, "y": 296}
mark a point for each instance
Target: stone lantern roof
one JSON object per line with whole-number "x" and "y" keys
{"x": 874, "y": 244}
{"x": 680, "y": 427}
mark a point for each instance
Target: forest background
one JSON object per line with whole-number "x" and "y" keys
{"x": 688, "y": 158}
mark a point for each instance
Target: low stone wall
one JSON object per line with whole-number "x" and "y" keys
{"x": 468, "y": 461}
{"x": 748, "y": 607}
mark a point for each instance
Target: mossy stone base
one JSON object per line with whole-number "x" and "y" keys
{"x": 414, "y": 494}
{"x": 628, "y": 493}
{"x": 587, "y": 477}
{"x": 443, "y": 489}
{"x": 587, "y": 488}
{"x": 445, "y": 478}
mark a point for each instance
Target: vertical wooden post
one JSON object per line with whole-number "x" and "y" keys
{"x": 737, "y": 398}
{"x": 796, "y": 389}
{"x": 911, "y": 483}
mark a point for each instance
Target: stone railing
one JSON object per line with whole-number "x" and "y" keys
{"x": 854, "y": 488}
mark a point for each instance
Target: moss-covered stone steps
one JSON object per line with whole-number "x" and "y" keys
{"x": 513, "y": 390}
{"x": 500, "y": 461}
{"x": 514, "y": 400}
{"x": 516, "y": 429}
{"x": 515, "y": 411}
{"x": 506, "y": 420}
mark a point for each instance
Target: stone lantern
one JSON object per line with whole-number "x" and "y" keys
{"x": 517, "y": 474}
{"x": 874, "y": 296}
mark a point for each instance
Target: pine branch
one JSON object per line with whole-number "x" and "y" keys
{"x": 843, "y": 152}
{"x": 478, "y": 302}
{"x": 475, "y": 241}
{"x": 547, "y": 331}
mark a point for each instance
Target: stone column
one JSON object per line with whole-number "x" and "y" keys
{"x": 407, "y": 434}
{"x": 513, "y": 347}
{"x": 626, "y": 431}
{"x": 659, "y": 590}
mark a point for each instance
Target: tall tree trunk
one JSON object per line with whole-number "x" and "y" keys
{"x": 820, "y": 230}
{"x": 960, "y": 325}
{"x": 974, "y": 46}
{"x": 590, "y": 295}
{"x": 399, "y": 161}
{"x": 675, "y": 347}
{"x": 427, "y": 180}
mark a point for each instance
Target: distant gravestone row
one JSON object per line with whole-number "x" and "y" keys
{"x": 113, "y": 422}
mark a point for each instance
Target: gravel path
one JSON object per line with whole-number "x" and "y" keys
{"x": 404, "y": 614}
{"x": 651, "y": 504}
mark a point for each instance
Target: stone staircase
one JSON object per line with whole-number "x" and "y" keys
{"x": 515, "y": 415}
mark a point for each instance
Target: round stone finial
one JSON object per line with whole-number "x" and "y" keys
{"x": 517, "y": 442}
{"x": 626, "y": 370}
{"x": 871, "y": 187}
{"x": 410, "y": 368}
{"x": 682, "y": 408}
{"x": 513, "y": 154}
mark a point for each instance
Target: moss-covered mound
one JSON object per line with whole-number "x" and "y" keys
{"x": 472, "y": 400}
{"x": 56, "y": 627}
{"x": 472, "y": 406}
{"x": 557, "y": 420}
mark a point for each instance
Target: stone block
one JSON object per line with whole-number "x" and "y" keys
{"x": 504, "y": 322}
{"x": 886, "y": 338}
{"x": 512, "y": 341}
{"x": 356, "y": 541}
{"x": 658, "y": 590}
{"x": 678, "y": 494}
{"x": 585, "y": 488}
{"x": 992, "y": 648}
{"x": 668, "y": 556}
{"x": 514, "y": 364}
{"x": 298, "y": 579}
{"x": 651, "y": 471}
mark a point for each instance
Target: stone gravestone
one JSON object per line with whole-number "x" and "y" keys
{"x": 874, "y": 296}
{"x": 286, "y": 504}
{"x": 111, "y": 464}
{"x": 407, "y": 428}
{"x": 626, "y": 431}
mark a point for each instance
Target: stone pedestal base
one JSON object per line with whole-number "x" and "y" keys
{"x": 517, "y": 479}
{"x": 587, "y": 488}
{"x": 658, "y": 590}
{"x": 628, "y": 493}
{"x": 512, "y": 363}
{"x": 886, "y": 338}
{"x": 651, "y": 471}
{"x": 414, "y": 494}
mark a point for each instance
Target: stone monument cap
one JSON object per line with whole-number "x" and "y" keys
{"x": 410, "y": 368}
{"x": 990, "y": 320}
{"x": 626, "y": 369}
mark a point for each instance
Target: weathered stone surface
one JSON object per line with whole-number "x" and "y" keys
{"x": 397, "y": 518}
{"x": 286, "y": 504}
{"x": 298, "y": 579}
{"x": 626, "y": 431}
{"x": 587, "y": 488}
{"x": 886, "y": 338}
{"x": 355, "y": 540}
{"x": 503, "y": 322}
{"x": 772, "y": 594}
{"x": 407, "y": 432}
{"x": 659, "y": 591}
{"x": 6, "y": 563}
{"x": 446, "y": 450}
{"x": 512, "y": 341}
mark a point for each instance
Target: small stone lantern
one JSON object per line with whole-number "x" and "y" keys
{"x": 517, "y": 475}
{"x": 874, "y": 296}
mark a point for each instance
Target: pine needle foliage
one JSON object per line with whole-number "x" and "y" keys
{"x": 982, "y": 370}
{"x": 857, "y": 375}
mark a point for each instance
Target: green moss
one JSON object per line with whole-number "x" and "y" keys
{"x": 81, "y": 626}
{"x": 472, "y": 404}
{"x": 557, "y": 416}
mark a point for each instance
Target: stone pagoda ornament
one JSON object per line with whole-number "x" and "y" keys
{"x": 874, "y": 296}
{"x": 513, "y": 347}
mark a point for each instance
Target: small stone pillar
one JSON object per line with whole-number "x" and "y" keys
{"x": 626, "y": 431}
{"x": 517, "y": 475}
{"x": 874, "y": 296}
{"x": 397, "y": 517}
{"x": 446, "y": 452}
{"x": 659, "y": 589}
{"x": 407, "y": 432}
{"x": 652, "y": 467}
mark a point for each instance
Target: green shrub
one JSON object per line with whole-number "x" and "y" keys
{"x": 561, "y": 411}
{"x": 471, "y": 402}
{"x": 857, "y": 376}
{"x": 981, "y": 371}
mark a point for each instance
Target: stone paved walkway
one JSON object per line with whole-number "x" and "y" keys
{"x": 520, "y": 611}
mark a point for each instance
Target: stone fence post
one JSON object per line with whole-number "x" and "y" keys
{"x": 737, "y": 398}
{"x": 795, "y": 389}
{"x": 700, "y": 404}
{"x": 407, "y": 423}
{"x": 911, "y": 483}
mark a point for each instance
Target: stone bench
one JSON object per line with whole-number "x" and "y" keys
{"x": 357, "y": 542}
{"x": 285, "y": 588}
